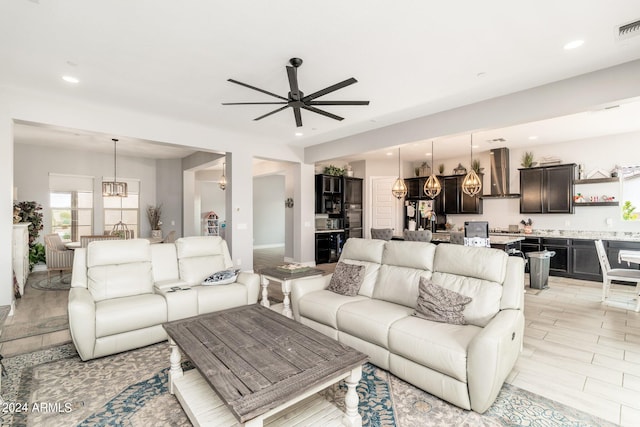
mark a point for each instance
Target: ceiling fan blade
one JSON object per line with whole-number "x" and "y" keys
{"x": 338, "y": 103}
{"x": 256, "y": 88}
{"x": 292, "y": 73}
{"x": 298, "y": 116}
{"x": 253, "y": 103}
{"x": 272, "y": 112}
{"x": 322, "y": 112}
{"x": 329, "y": 89}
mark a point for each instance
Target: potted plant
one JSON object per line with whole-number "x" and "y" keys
{"x": 527, "y": 226}
{"x": 31, "y": 212}
{"x": 527, "y": 159}
{"x": 154, "y": 214}
{"x": 333, "y": 170}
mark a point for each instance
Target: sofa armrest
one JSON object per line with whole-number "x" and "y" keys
{"x": 82, "y": 321}
{"x": 301, "y": 287}
{"x": 79, "y": 271}
{"x": 491, "y": 357}
{"x": 252, "y": 282}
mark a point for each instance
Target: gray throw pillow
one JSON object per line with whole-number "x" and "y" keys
{"x": 347, "y": 279}
{"x": 439, "y": 304}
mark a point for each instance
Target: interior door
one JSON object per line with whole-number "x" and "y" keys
{"x": 384, "y": 207}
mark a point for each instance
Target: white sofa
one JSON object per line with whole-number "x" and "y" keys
{"x": 462, "y": 364}
{"x": 123, "y": 290}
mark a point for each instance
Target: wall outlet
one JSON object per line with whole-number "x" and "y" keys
{"x": 238, "y": 262}
{"x": 609, "y": 222}
{"x": 567, "y": 223}
{"x": 173, "y": 222}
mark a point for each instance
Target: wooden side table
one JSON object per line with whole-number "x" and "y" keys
{"x": 285, "y": 278}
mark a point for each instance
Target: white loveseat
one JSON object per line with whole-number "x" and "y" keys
{"x": 123, "y": 290}
{"x": 462, "y": 364}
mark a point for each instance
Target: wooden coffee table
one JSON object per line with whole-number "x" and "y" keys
{"x": 255, "y": 366}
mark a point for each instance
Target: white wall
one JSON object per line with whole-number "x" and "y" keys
{"x": 268, "y": 211}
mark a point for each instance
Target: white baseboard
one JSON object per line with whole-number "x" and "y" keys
{"x": 269, "y": 246}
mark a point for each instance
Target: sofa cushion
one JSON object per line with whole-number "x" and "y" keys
{"x": 199, "y": 256}
{"x": 322, "y": 306}
{"x": 119, "y": 280}
{"x": 347, "y": 279}
{"x": 439, "y": 304}
{"x": 119, "y": 315}
{"x": 485, "y": 296}
{"x": 438, "y": 346}
{"x": 399, "y": 285}
{"x": 366, "y": 252}
{"x": 370, "y": 319}
{"x": 417, "y": 255}
{"x": 216, "y": 298}
{"x": 482, "y": 263}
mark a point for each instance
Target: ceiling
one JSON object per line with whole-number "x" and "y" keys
{"x": 411, "y": 59}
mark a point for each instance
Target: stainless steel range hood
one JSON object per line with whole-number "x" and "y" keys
{"x": 500, "y": 173}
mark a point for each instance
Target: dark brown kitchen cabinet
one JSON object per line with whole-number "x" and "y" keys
{"x": 547, "y": 189}
{"x": 414, "y": 188}
{"x": 584, "y": 260}
{"x": 454, "y": 200}
{"x": 560, "y": 263}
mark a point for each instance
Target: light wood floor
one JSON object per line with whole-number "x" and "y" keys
{"x": 576, "y": 350}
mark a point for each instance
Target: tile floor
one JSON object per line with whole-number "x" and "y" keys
{"x": 576, "y": 351}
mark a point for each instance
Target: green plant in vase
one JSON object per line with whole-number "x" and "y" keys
{"x": 31, "y": 212}
{"x": 628, "y": 213}
{"x": 527, "y": 159}
{"x": 475, "y": 165}
{"x": 441, "y": 168}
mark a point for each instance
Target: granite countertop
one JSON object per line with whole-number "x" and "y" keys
{"x": 576, "y": 234}
{"x": 329, "y": 230}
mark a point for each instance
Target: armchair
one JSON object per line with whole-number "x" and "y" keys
{"x": 58, "y": 257}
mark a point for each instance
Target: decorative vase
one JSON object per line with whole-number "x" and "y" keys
{"x": 156, "y": 234}
{"x": 528, "y": 229}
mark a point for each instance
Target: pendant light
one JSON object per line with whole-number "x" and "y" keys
{"x": 223, "y": 180}
{"x": 432, "y": 186}
{"x": 399, "y": 189}
{"x": 471, "y": 183}
{"x": 114, "y": 188}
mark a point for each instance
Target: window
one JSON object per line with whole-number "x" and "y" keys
{"x": 123, "y": 209}
{"x": 630, "y": 193}
{"x": 71, "y": 204}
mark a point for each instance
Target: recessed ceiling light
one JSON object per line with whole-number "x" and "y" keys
{"x": 389, "y": 154}
{"x": 299, "y": 133}
{"x": 70, "y": 79}
{"x": 533, "y": 137}
{"x": 573, "y": 44}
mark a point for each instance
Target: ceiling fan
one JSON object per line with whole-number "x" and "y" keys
{"x": 296, "y": 99}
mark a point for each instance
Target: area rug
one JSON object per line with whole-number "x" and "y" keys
{"x": 54, "y": 388}
{"x": 24, "y": 330}
{"x": 58, "y": 282}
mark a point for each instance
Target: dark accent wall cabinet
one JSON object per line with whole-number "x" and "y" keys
{"x": 547, "y": 189}
{"x": 455, "y": 201}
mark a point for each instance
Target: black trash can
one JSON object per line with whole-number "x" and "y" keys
{"x": 539, "y": 268}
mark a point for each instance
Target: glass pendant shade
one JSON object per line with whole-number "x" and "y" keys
{"x": 432, "y": 186}
{"x": 114, "y": 188}
{"x": 399, "y": 189}
{"x": 471, "y": 183}
{"x": 223, "y": 180}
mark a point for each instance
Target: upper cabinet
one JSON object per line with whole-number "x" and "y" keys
{"x": 352, "y": 191}
{"x": 456, "y": 201}
{"x": 329, "y": 183}
{"x": 547, "y": 189}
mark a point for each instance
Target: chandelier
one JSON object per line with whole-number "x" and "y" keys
{"x": 399, "y": 189}
{"x": 432, "y": 186}
{"x": 471, "y": 183}
{"x": 223, "y": 180}
{"x": 114, "y": 188}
